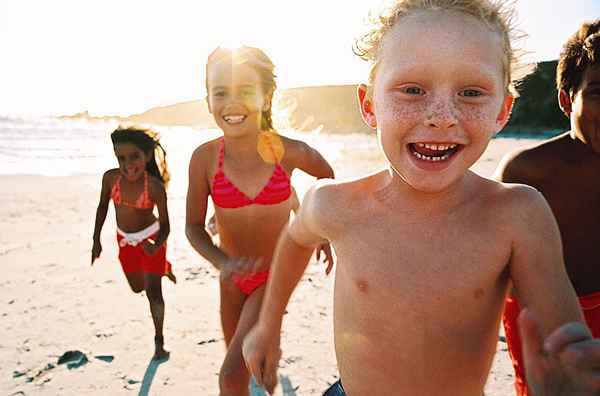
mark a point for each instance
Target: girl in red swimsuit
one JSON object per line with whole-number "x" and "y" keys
{"x": 135, "y": 187}
{"x": 247, "y": 173}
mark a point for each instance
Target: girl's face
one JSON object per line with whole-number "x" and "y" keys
{"x": 439, "y": 95}
{"x": 132, "y": 160}
{"x": 236, "y": 98}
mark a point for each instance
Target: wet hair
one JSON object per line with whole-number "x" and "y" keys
{"x": 581, "y": 50}
{"x": 498, "y": 15}
{"x": 147, "y": 141}
{"x": 258, "y": 61}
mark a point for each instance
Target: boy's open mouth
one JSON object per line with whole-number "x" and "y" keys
{"x": 234, "y": 118}
{"x": 434, "y": 152}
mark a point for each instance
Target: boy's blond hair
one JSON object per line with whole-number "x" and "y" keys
{"x": 499, "y": 15}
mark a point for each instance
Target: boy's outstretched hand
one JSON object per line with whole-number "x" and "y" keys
{"x": 262, "y": 353}
{"x": 566, "y": 363}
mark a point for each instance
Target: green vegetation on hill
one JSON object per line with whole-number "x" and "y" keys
{"x": 537, "y": 110}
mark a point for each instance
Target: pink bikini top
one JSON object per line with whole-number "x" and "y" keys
{"x": 226, "y": 195}
{"x": 143, "y": 201}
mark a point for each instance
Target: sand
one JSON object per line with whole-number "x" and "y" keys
{"x": 52, "y": 301}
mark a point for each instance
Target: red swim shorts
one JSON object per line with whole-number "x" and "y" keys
{"x": 590, "y": 305}
{"x": 133, "y": 258}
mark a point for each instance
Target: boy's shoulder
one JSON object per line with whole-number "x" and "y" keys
{"x": 338, "y": 198}
{"x": 531, "y": 163}
{"x": 510, "y": 200}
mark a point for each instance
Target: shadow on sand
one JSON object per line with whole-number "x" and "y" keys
{"x": 149, "y": 376}
{"x": 287, "y": 389}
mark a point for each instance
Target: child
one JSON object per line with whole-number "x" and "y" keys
{"x": 247, "y": 174}
{"x": 426, "y": 248}
{"x": 566, "y": 170}
{"x": 136, "y": 186}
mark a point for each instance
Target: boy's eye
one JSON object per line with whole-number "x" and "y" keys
{"x": 219, "y": 94}
{"x": 470, "y": 93}
{"x": 413, "y": 90}
{"x": 247, "y": 92}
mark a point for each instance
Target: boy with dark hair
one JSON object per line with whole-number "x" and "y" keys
{"x": 566, "y": 170}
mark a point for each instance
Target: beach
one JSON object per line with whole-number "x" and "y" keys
{"x": 52, "y": 301}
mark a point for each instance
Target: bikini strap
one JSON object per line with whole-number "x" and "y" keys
{"x": 146, "y": 192}
{"x": 221, "y": 154}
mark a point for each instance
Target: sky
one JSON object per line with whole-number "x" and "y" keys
{"x": 120, "y": 57}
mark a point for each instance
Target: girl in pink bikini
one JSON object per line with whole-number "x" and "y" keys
{"x": 135, "y": 187}
{"x": 247, "y": 174}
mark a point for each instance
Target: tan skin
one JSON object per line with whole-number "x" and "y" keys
{"x": 426, "y": 250}
{"x": 248, "y": 235}
{"x": 132, "y": 220}
{"x": 566, "y": 170}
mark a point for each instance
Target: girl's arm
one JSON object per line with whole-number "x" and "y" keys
{"x": 101, "y": 215}
{"x": 195, "y": 215}
{"x": 310, "y": 161}
{"x": 159, "y": 195}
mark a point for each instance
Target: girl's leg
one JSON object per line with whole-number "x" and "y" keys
{"x": 232, "y": 302}
{"x": 153, "y": 288}
{"x": 136, "y": 281}
{"x": 234, "y": 377}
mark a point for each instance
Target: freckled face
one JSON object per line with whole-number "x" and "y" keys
{"x": 132, "y": 160}
{"x": 236, "y": 98}
{"x": 438, "y": 94}
{"x": 585, "y": 109}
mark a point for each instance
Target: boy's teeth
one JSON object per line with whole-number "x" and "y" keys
{"x": 433, "y": 159}
{"x": 437, "y": 147}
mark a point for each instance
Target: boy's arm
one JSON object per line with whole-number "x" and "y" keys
{"x": 101, "y": 212}
{"x": 294, "y": 249}
{"x": 560, "y": 356}
{"x": 195, "y": 215}
{"x": 536, "y": 267}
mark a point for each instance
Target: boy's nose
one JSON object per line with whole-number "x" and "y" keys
{"x": 441, "y": 115}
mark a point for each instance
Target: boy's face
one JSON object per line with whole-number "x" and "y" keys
{"x": 132, "y": 160}
{"x": 585, "y": 109}
{"x": 235, "y": 97}
{"x": 438, "y": 96}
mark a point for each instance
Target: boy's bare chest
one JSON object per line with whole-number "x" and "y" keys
{"x": 468, "y": 255}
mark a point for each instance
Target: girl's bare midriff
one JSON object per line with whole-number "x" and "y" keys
{"x": 252, "y": 231}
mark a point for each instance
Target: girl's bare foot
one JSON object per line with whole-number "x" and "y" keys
{"x": 159, "y": 351}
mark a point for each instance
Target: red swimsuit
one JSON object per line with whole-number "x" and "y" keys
{"x": 226, "y": 195}
{"x": 143, "y": 201}
{"x": 131, "y": 254}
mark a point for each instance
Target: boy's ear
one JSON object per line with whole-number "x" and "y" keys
{"x": 564, "y": 101}
{"x": 365, "y": 103}
{"x": 505, "y": 111}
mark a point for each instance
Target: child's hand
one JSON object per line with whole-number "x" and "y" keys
{"x": 261, "y": 353}
{"x": 328, "y": 257}
{"x": 567, "y": 362}
{"x": 96, "y": 250}
{"x": 149, "y": 247}
{"x": 240, "y": 265}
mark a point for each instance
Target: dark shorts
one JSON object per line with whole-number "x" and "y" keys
{"x": 335, "y": 390}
